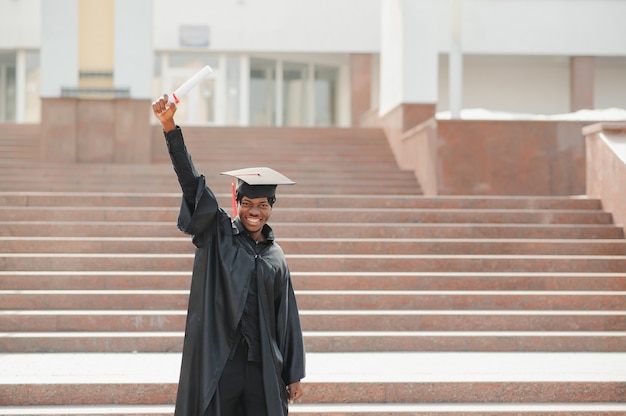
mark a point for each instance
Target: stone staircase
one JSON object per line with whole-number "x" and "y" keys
{"x": 410, "y": 304}
{"x": 19, "y": 142}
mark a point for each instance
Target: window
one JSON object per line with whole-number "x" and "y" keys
{"x": 325, "y": 96}
{"x": 295, "y": 94}
{"x": 262, "y": 92}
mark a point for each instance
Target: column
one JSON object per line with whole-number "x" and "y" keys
{"x": 582, "y": 70}
{"x": 133, "y": 71}
{"x": 20, "y": 85}
{"x": 133, "y": 54}
{"x": 456, "y": 60}
{"x": 360, "y": 85}
{"x": 59, "y": 46}
{"x": 59, "y": 69}
{"x": 409, "y": 59}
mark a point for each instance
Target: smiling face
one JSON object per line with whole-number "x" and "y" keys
{"x": 254, "y": 213}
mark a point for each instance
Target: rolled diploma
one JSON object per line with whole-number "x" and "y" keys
{"x": 189, "y": 84}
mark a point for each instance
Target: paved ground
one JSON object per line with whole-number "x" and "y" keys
{"x": 328, "y": 367}
{"x": 383, "y": 409}
{"x": 332, "y": 367}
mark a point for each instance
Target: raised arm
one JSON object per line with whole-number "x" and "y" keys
{"x": 199, "y": 206}
{"x": 181, "y": 159}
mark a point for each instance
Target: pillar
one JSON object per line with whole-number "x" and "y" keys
{"x": 59, "y": 69}
{"x": 409, "y": 59}
{"x": 582, "y": 71}
{"x": 133, "y": 70}
{"x": 360, "y": 85}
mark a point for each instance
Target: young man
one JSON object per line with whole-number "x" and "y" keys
{"x": 243, "y": 352}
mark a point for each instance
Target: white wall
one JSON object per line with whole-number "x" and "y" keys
{"x": 20, "y": 24}
{"x": 420, "y": 51}
{"x": 533, "y": 27}
{"x": 538, "y": 84}
{"x": 517, "y": 32}
{"x": 273, "y": 25}
{"x": 610, "y": 82}
{"x": 408, "y": 53}
{"x": 59, "y": 57}
{"x": 531, "y": 84}
{"x": 133, "y": 47}
{"x": 391, "y": 61}
{"x": 539, "y": 27}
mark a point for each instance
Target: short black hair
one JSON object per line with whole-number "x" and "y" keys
{"x": 270, "y": 199}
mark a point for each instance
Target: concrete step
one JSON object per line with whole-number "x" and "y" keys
{"x": 323, "y": 215}
{"x": 328, "y": 177}
{"x": 149, "y": 379}
{"x": 122, "y": 280}
{"x": 82, "y": 183}
{"x": 306, "y": 200}
{"x": 325, "y": 300}
{"x": 86, "y": 184}
{"x": 463, "y": 341}
{"x": 324, "y": 320}
{"x": 358, "y": 146}
{"x": 330, "y": 341}
{"x": 156, "y": 393}
{"x": 349, "y": 409}
{"x": 98, "y": 266}
{"x": 321, "y": 262}
{"x": 70, "y": 228}
{"x": 20, "y": 142}
{"x": 323, "y": 168}
{"x": 322, "y": 245}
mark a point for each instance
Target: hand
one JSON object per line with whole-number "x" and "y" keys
{"x": 164, "y": 111}
{"x": 295, "y": 391}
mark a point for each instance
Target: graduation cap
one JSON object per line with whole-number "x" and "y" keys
{"x": 257, "y": 182}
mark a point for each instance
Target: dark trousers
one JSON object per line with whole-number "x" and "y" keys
{"x": 241, "y": 386}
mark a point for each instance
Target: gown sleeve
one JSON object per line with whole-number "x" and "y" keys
{"x": 292, "y": 343}
{"x": 199, "y": 205}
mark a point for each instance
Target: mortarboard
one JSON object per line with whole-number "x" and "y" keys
{"x": 257, "y": 182}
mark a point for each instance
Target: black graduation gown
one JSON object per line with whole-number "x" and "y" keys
{"x": 224, "y": 263}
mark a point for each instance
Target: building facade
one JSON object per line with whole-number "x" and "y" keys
{"x": 305, "y": 63}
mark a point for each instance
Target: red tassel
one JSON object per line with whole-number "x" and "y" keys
{"x": 234, "y": 199}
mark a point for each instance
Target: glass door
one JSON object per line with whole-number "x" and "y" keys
{"x": 326, "y": 79}
{"x": 296, "y": 94}
{"x": 262, "y": 92}
{"x": 8, "y": 87}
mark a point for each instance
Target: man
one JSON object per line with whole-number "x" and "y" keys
{"x": 243, "y": 352}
